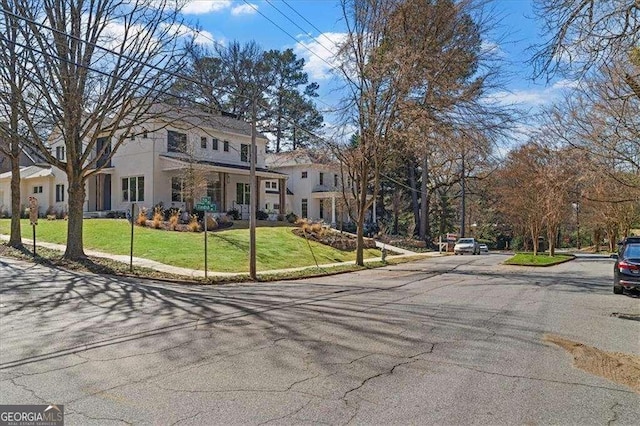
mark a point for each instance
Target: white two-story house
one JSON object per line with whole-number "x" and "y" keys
{"x": 314, "y": 184}
{"x": 158, "y": 160}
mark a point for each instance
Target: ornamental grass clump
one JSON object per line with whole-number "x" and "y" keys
{"x": 158, "y": 218}
{"x": 174, "y": 219}
{"x": 142, "y": 217}
{"x": 193, "y": 225}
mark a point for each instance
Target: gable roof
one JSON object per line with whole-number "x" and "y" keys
{"x": 31, "y": 172}
{"x": 299, "y": 157}
{"x": 199, "y": 119}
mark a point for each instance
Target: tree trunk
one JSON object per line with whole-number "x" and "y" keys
{"x": 552, "y": 234}
{"x": 414, "y": 195}
{"x": 75, "y": 249}
{"x": 362, "y": 211}
{"x": 15, "y": 240}
{"x": 424, "y": 201}
{"x": 534, "y": 240}
{"x": 596, "y": 239}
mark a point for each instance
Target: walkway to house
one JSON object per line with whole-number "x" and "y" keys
{"x": 162, "y": 267}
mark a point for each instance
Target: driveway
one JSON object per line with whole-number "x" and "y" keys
{"x": 452, "y": 340}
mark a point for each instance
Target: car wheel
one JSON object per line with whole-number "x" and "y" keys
{"x": 618, "y": 289}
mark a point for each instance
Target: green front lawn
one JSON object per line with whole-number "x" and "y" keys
{"x": 228, "y": 250}
{"x": 528, "y": 259}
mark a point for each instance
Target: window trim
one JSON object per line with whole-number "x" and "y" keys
{"x": 182, "y": 141}
{"x": 138, "y": 191}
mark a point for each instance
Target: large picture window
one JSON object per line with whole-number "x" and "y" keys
{"x": 243, "y": 193}
{"x": 133, "y": 189}
{"x": 176, "y": 141}
{"x": 305, "y": 208}
{"x": 177, "y": 189}
{"x": 214, "y": 191}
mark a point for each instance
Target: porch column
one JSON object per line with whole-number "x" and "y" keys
{"x": 283, "y": 188}
{"x": 333, "y": 211}
{"x": 375, "y": 219}
{"x": 223, "y": 189}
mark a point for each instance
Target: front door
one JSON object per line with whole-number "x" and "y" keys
{"x": 106, "y": 192}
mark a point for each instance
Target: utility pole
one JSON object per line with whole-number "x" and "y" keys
{"x": 463, "y": 195}
{"x": 253, "y": 192}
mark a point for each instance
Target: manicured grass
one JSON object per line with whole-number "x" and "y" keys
{"x": 101, "y": 265}
{"x": 528, "y": 259}
{"x": 228, "y": 250}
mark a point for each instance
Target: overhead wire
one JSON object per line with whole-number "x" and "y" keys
{"x": 152, "y": 66}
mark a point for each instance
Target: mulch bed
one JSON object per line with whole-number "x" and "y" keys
{"x": 344, "y": 242}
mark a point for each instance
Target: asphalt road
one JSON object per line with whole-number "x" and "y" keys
{"x": 453, "y": 340}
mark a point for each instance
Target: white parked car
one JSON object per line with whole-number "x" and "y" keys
{"x": 484, "y": 248}
{"x": 466, "y": 245}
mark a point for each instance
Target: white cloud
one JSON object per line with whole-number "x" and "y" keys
{"x": 492, "y": 48}
{"x": 320, "y": 54}
{"x": 199, "y": 7}
{"x": 244, "y": 9}
{"x": 535, "y": 97}
{"x": 200, "y": 36}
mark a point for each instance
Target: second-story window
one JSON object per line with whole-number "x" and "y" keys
{"x": 244, "y": 153}
{"x": 203, "y": 142}
{"x": 304, "y": 175}
{"x": 176, "y": 141}
{"x": 226, "y": 146}
{"x": 321, "y": 178}
{"x": 214, "y": 144}
{"x": 103, "y": 150}
{"x": 60, "y": 153}
{"x": 335, "y": 180}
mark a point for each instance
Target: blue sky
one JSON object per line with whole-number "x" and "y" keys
{"x": 314, "y": 24}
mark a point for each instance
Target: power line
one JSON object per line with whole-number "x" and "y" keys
{"x": 289, "y": 34}
{"x": 310, "y": 23}
{"x": 298, "y": 26}
{"x": 138, "y": 61}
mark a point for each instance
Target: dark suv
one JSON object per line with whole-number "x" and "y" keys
{"x": 626, "y": 271}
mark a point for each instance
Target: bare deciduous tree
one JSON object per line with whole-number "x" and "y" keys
{"x": 583, "y": 34}
{"x": 99, "y": 67}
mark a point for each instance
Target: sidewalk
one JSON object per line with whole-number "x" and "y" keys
{"x": 162, "y": 267}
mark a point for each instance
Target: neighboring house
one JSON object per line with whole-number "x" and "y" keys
{"x": 314, "y": 186}
{"x": 41, "y": 181}
{"x": 151, "y": 167}
{"x": 36, "y": 179}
